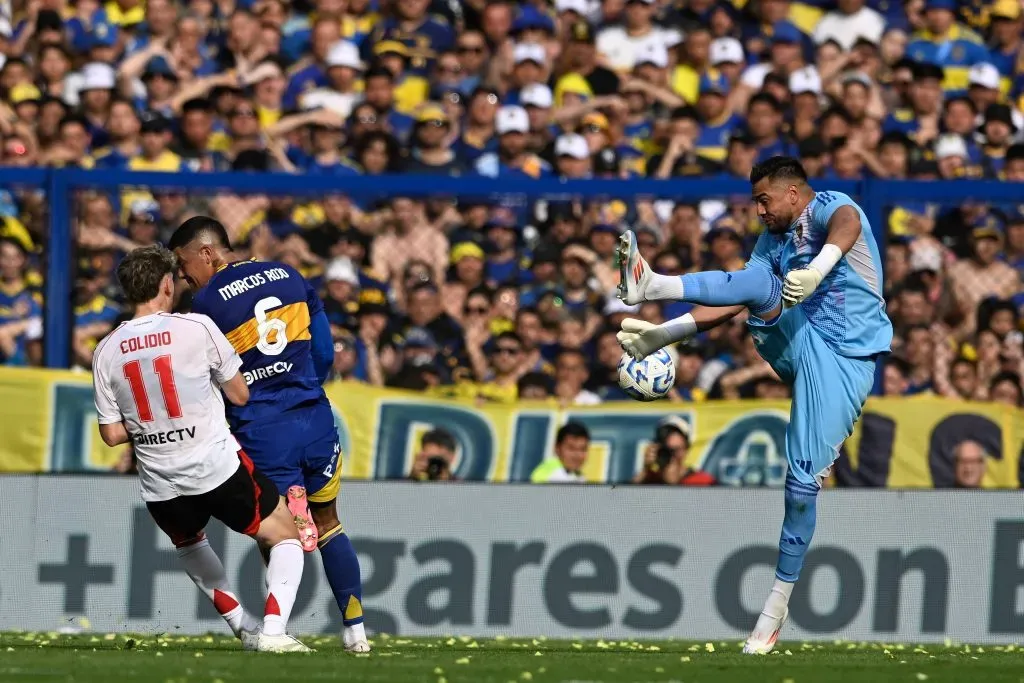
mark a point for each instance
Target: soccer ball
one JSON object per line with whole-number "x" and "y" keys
{"x": 648, "y": 379}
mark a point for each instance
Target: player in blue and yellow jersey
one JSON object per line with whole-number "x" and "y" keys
{"x": 276, "y": 323}
{"x": 814, "y": 292}
{"x": 947, "y": 44}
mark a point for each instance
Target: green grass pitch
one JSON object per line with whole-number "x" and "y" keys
{"x": 50, "y": 657}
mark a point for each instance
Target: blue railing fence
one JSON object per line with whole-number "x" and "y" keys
{"x": 60, "y": 185}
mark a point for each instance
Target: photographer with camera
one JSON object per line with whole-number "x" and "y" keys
{"x": 434, "y": 460}
{"x": 665, "y": 457}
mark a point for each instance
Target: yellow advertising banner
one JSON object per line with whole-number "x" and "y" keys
{"x": 49, "y": 425}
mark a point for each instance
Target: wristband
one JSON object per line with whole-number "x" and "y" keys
{"x": 826, "y": 259}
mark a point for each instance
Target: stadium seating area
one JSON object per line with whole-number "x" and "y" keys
{"x": 494, "y": 300}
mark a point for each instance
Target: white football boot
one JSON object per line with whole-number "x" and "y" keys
{"x": 634, "y": 272}
{"x": 250, "y": 639}
{"x": 281, "y": 643}
{"x": 353, "y": 639}
{"x": 764, "y": 636}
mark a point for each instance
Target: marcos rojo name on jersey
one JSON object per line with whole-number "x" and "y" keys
{"x": 170, "y": 436}
{"x": 244, "y": 284}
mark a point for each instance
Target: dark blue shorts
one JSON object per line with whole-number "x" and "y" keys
{"x": 300, "y": 448}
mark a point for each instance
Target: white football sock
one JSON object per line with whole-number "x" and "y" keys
{"x": 664, "y": 287}
{"x": 353, "y": 634}
{"x": 284, "y": 571}
{"x": 207, "y": 571}
{"x": 774, "y": 607}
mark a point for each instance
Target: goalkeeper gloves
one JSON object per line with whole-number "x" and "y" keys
{"x": 640, "y": 338}
{"x": 799, "y": 285}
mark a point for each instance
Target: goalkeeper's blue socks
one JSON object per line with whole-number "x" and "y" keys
{"x": 342, "y": 568}
{"x": 797, "y": 527}
{"x": 755, "y": 288}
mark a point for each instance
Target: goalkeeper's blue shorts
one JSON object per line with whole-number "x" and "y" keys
{"x": 829, "y": 390}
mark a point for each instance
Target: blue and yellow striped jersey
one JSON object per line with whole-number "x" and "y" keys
{"x": 264, "y": 309}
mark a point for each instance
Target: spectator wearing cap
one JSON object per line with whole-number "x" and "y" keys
{"x": 849, "y": 21}
{"x": 572, "y": 156}
{"x": 478, "y": 136}
{"x": 620, "y": 44}
{"x": 764, "y": 123}
{"x": 141, "y": 227}
{"x": 343, "y": 71}
{"x": 581, "y": 61}
{"x": 578, "y": 265}
{"x": 983, "y": 274}
{"x": 154, "y": 153}
{"x": 512, "y": 159}
{"x": 682, "y": 155}
{"x": 953, "y": 157}
{"x": 725, "y": 247}
{"x": 425, "y": 311}
{"x": 503, "y": 257}
{"x": 355, "y": 362}
{"x": 948, "y": 44}
{"x": 785, "y": 56}
{"x": 805, "y": 91}
{"x": 94, "y": 90}
{"x": 467, "y": 273}
{"x": 426, "y": 35}
{"x": 529, "y": 65}
{"x": 717, "y": 120}
{"x": 25, "y": 99}
{"x": 1006, "y": 44}
{"x": 161, "y": 84}
{"x": 342, "y": 288}
{"x": 409, "y": 89}
{"x": 309, "y": 72}
{"x": 983, "y": 86}
{"x": 997, "y": 132}
{"x": 920, "y": 121}
{"x": 537, "y": 100}
{"x": 431, "y": 152}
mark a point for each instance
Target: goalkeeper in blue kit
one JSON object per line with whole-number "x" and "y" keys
{"x": 276, "y": 323}
{"x": 813, "y": 289}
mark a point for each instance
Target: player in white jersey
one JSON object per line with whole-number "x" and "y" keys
{"x": 157, "y": 381}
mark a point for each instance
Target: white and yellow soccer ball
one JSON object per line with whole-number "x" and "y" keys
{"x": 648, "y": 379}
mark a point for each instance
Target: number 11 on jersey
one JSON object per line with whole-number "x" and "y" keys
{"x": 162, "y": 368}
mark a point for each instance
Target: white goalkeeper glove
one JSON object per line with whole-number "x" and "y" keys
{"x": 640, "y": 338}
{"x": 799, "y": 285}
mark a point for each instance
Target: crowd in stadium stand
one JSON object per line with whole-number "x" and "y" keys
{"x": 474, "y": 298}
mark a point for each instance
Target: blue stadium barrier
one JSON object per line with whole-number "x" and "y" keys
{"x": 874, "y": 197}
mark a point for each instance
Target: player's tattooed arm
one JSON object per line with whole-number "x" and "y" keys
{"x": 843, "y": 231}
